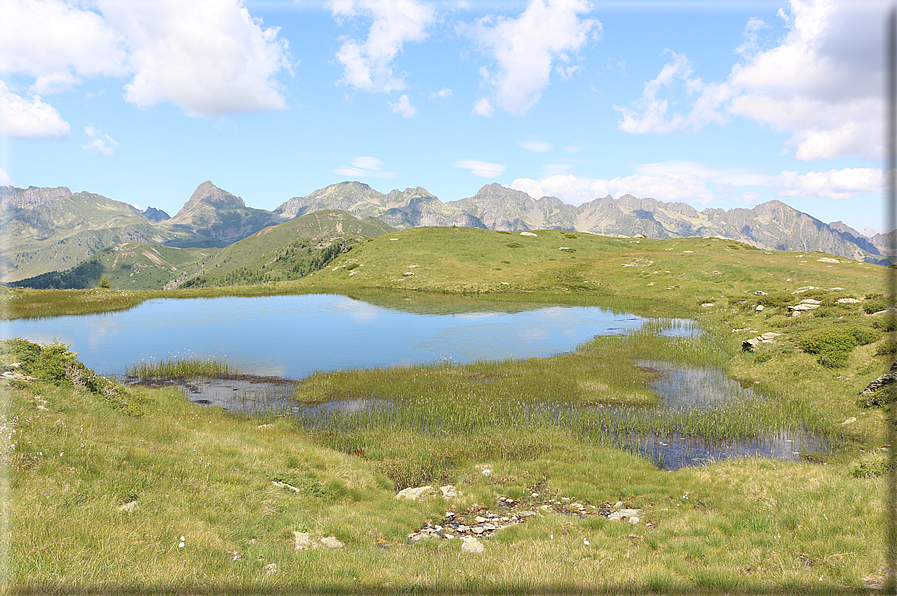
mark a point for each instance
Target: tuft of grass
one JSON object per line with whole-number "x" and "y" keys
{"x": 181, "y": 367}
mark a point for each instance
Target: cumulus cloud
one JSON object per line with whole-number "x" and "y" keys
{"x": 833, "y": 184}
{"x": 98, "y": 143}
{"x": 403, "y": 107}
{"x": 369, "y": 65}
{"x": 210, "y": 57}
{"x": 4, "y": 178}
{"x": 29, "y": 118}
{"x": 58, "y": 44}
{"x": 683, "y": 168}
{"x": 536, "y": 145}
{"x": 441, "y": 94}
{"x": 483, "y": 107}
{"x": 484, "y": 169}
{"x": 821, "y": 83}
{"x": 364, "y": 167}
{"x": 524, "y": 49}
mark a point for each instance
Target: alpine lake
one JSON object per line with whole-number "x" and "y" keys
{"x": 277, "y": 341}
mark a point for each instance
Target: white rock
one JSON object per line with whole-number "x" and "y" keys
{"x": 448, "y": 491}
{"x": 759, "y": 308}
{"x": 301, "y": 540}
{"x": 828, "y": 260}
{"x": 413, "y": 493}
{"x": 634, "y": 520}
{"x": 527, "y": 234}
{"x": 624, "y": 514}
{"x": 331, "y": 542}
{"x": 470, "y": 544}
{"x": 129, "y": 506}
{"x": 848, "y": 301}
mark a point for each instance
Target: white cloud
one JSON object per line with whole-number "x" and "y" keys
{"x": 403, "y": 107}
{"x": 524, "y": 50}
{"x": 98, "y": 143}
{"x": 833, "y": 184}
{"x": 650, "y": 113}
{"x": 441, "y": 94}
{"x": 57, "y": 44}
{"x": 484, "y": 169}
{"x": 821, "y": 83}
{"x": 210, "y": 57}
{"x": 683, "y": 168}
{"x": 29, "y": 118}
{"x": 368, "y": 65}
{"x": 577, "y": 190}
{"x": 364, "y": 167}
{"x": 536, "y": 145}
{"x": 4, "y": 178}
{"x": 483, "y": 107}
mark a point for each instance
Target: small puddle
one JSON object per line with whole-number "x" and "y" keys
{"x": 687, "y": 388}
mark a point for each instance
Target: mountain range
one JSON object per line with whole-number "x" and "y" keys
{"x": 54, "y": 229}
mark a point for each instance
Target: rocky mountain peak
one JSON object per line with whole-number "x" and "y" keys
{"x": 209, "y": 194}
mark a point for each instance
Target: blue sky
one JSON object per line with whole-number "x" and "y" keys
{"x": 718, "y": 104}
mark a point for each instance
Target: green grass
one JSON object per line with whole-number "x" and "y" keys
{"x": 180, "y": 367}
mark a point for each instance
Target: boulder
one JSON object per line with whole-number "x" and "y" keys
{"x": 621, "y": 514}
{"x": 751, "y": 345}
{"x": 331, "y": 542}
{"x": 448, "y": 491}
{"x": 301, "y": 540}
{"x": 414, "y": 494}
{"x": 881, "y": 382}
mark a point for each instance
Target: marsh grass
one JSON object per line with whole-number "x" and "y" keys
{"x": 180, "y": 367}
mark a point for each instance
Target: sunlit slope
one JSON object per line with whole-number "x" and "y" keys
{"x": 283, "y": 252}
{"x": 688, "y": 271}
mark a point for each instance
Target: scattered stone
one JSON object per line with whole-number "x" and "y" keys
{"x": 881, "y": 382}
{"x": 270, "y": 568}
{"x": 128, "y": 507}
{"x": 828, "y": 260}
{"x": 850, "y": 420}
{"x": 634, "y": 520}
{"x": 624, "y": 514}
{"x": 479, "y": 519}
{"x": 471, "y": 545}
{"x": 408, "y": 273}
{"x": 236, "y": 556}
{"x": 448, "y": 491}
{"x": 809, "y": 301}
{"x": 836, "y": 289}
{"x": 331, "y": 542}
{"x": 751, "y": 345}
{"x": 301, "y": 540}
{"x": 760, "y": 293}
{"x": 707, "y": 304}
{"x": 618, "y": 505}
{"x": 802, "y": 289}
{"x": 487, "y": 472}
{"x": 848, "y": 301}
{"x": 564, "y": 248}
{"x": 528, "y": 234}
{"x": 413, "y": 494}
{"x": 799, "y": 308}
{"x": 759, "y": 308}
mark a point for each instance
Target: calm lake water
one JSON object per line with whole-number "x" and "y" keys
{"x": 292, "y": 336}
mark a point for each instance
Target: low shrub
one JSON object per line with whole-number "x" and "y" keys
{"x": 834, "y": 344}
{"x": 887, "y": 347}
{"x": 886, "y": 324}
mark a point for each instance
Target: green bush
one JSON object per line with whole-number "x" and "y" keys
{"x": 514, "y": 245}
{"x": 886, "y": 324}
{"x": 886, "y": 347}
{"x": 834, "y": 344}
{"x": 874, "y": 304}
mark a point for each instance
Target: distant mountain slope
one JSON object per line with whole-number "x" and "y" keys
{"x": 129, "y": 265}
{"x": 47, "y": 230}
{"x": 410, "y": 208}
